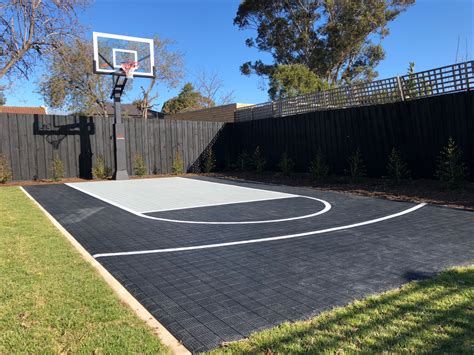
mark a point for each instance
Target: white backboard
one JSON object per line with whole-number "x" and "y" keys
{"x": 111, "y": 51}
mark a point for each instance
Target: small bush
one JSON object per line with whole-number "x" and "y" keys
{"x": 258, "y": 161}
{"x": 357, "y": 167}
{"x": 397, "y": 169}
{"x": 451, "y": 169}
{"x": 101, "y": 170}
{"x": 243, "y": 162}
{"x": 57, "y": 169}
{"x": 177, "y": 166}
{"x": 286, "y": 164}
{"x": 5, "y": 170}
{"x": 139, "y": 166}
{"x": 318, "y": 167}
{"x": 210, "y": 161}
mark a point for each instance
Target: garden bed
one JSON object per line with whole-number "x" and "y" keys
{"x": 420, "y": 190}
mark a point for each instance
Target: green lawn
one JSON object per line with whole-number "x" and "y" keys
{"x": 51, "y": 300}
{"x": 433, "y": 316}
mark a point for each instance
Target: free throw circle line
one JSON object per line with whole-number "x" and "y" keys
{"x": 251, "y": 241}
{"x": 327, "y": 207}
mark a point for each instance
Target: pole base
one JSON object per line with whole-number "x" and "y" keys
{"x": 120, "y": 175}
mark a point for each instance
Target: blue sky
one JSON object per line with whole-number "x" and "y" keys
{"x": 203, "y": 31}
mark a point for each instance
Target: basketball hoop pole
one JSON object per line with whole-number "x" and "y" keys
{"x": 120, "y": 153}
{"x": 123, "y": 57}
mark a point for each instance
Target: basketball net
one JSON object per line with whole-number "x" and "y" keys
{"x": 129, "y": 69}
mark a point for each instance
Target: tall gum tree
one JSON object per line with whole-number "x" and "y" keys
{"x": 338, "y": 40}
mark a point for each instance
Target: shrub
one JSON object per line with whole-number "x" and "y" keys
{"x": 210, "y": 161}
{"x": 177, "y": 166}
{"x": 286, "y": 164}
{"x": 100, "y": 170}
{"x": 57, "y": 169}
{"x": 243, "y": 161}
{"x": 357, "y": 167}
{"x": 139, "y": 166}
{"x": 397, "y": 169}
{"x": 258, "y": 161}
{"x": 451, "y": 169}
{"x": 318, "y": 167}
{"x": 5, "y": 170}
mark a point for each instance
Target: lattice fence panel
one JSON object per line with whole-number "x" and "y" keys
{"x": 449, "y": 79}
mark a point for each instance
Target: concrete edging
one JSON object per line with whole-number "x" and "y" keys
{"x": 163, "y": 334}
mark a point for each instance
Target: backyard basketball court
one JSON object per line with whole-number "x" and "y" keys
{"x": 214, "y": 260}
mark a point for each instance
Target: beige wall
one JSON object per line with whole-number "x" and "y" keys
{"x": 224, "y": 113}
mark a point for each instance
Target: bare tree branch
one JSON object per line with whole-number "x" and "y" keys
{"x": 211, "y": 86}
{"x": 70, "y": 83}
{"x": 169, "y": 71}
{"x": 31, "y": 29}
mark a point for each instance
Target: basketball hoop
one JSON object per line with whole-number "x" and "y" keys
{"x": 129, "y": 68}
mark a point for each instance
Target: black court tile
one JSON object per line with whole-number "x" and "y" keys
{"x": 208, "y": 296}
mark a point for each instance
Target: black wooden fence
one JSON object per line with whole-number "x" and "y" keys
{"x": 418, "y": 129}
{"x": 31, "y": 142}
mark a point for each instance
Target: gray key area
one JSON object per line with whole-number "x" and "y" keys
{"x": 154, "y": 195}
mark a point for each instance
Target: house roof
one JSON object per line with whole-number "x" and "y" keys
{"x": 23, "y": 110}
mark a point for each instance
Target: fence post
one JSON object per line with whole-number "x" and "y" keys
{"x": 400, "y": 88}
{"x": 467, "y": 75}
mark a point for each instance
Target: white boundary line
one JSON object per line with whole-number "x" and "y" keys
{"x": 327, "y": 207}
{"x": 126, "y": 297}
{"x": 289, "y": 236}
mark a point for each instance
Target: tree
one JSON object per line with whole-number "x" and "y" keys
{"x": 397, "y": 169}
{"x": 168, "y": 70}
{"x": 30, "y": 29}
{"x": 187, "y": 100}
{"x": 3, "y": 100}
{"x": 335, "y": 39}
{"x": 211, "y": 86}
{"x": 411, "y": 82}
{"x": 292, "y": 80}
{"x": 451, "y": 168}
{"x": 70, "y": 82}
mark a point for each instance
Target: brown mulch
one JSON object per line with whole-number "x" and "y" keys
{"x": 41, "y": 182}
{"x": 420, "y": 190}
{"x": 68, "y": 180}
